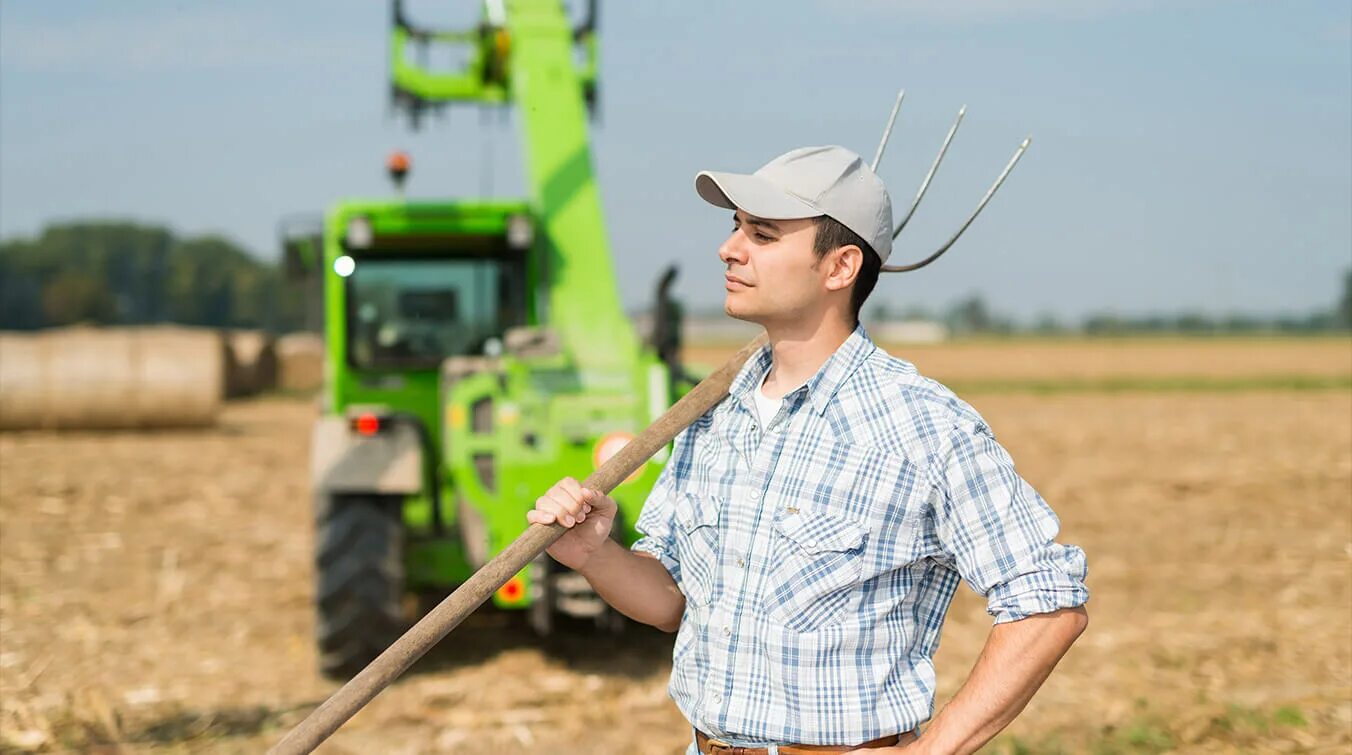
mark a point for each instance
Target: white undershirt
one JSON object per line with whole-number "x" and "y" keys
{"x": 766, "y": 407}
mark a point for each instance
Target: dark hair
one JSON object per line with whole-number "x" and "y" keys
{"x": 832, "y": 235}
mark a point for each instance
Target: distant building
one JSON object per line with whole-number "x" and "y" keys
{"x": 907, "y": 331}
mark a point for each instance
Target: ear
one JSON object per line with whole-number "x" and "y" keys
{"x": 843, "y": 266}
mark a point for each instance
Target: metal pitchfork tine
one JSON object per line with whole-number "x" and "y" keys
{"x": 887, "y": 132}
{"x": 924, "y": 185}
{"x": 934, "y": 168}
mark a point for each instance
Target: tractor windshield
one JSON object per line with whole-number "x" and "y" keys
{"x": 411, "y": 313}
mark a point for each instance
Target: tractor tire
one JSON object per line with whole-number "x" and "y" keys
{"x": 359, "y": 574}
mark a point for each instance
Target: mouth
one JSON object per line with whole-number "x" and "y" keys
{"x": 734, "y": 283}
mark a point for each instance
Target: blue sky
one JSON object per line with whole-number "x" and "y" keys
{"x": 1193, "y": 154}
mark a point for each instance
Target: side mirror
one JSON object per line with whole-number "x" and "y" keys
{"x": 302, "y": 238}
{"x": 667, "y": 316}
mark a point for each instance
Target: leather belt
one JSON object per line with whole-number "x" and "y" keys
{"x": 710, "y": 746}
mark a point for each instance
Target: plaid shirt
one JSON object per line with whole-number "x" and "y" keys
{"x": 818, "y": 555}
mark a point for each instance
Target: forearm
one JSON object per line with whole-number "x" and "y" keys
{"x": 636, "y": 584}
{"x": 1016, "y": 660}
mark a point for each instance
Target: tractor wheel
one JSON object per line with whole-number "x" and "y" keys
{"x": 359, "y": 572}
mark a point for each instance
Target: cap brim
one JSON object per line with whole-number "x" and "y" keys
{"x": 752, "y": 194}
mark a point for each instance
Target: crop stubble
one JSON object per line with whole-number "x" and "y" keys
{"x": 155, "y": 590}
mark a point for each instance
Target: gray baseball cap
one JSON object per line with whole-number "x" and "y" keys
{"x": 805, "y": 183}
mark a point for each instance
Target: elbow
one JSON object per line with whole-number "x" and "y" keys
{"x": 1077, "y": 620}
{"x": 673, "y": 622}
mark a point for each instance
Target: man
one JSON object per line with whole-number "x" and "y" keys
{"x": 808, "y": 533}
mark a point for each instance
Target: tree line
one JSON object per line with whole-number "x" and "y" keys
{"x": 972, "y": 315}
{"x": 120, "y": 273}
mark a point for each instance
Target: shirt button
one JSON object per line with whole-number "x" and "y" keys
{"x": 727, "y": 631}
{"x": 755, "y": 494}
{"x": 741, "y": 562}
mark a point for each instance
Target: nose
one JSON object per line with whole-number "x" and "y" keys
{"x": 733, "y": 250}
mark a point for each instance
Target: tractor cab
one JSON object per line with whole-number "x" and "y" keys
{"x": 414, "y": 298}
{"x": 409, "y": 284}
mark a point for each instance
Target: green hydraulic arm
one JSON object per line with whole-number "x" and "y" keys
{"x": 523, "y": 53}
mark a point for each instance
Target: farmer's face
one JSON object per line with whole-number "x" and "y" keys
{"x": 772, "y": 274}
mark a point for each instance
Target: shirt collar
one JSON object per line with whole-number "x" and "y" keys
{"x": 822, "y": 386}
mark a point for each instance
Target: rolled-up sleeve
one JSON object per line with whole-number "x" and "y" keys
{"x": 1001, "y": 534}
{"x": 657, "y": 521}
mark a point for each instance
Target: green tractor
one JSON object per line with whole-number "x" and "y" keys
{"x": 477, "y": 350}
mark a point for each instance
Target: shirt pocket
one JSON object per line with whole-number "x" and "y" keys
{"x": 818, "y": 557}
{"x": 697, "y": 543}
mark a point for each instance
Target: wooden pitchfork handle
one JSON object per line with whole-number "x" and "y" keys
{"x": 389, "y": 665}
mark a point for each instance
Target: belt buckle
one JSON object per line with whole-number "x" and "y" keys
{"x": 718, "y": 745}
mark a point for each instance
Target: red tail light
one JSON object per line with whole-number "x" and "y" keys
{"x": 366, "y": 424}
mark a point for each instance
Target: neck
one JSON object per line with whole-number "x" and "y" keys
{"x": 800, "y": 349}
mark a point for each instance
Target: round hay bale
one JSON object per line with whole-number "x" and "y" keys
{"x": 300, "y": 362}
{"x": 252, "y": 363}
{"x": 113, "y": 378}
{"x": 22, "y": 373}
{"x": 182, "y": 376}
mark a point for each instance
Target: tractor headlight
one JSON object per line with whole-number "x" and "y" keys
{"x": 608, "y": 446}
{"x": 344, "y": 266}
